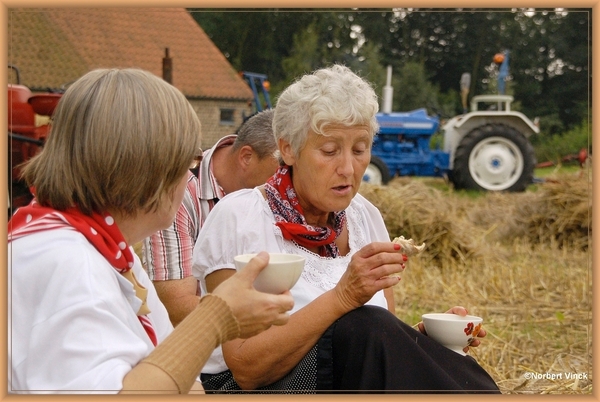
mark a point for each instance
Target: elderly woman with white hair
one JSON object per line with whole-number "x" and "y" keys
{"x": 342, "y": 333}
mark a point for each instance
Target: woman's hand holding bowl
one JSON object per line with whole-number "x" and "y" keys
{"x": 255, "y": 311}
{"x": 462, "y": 312}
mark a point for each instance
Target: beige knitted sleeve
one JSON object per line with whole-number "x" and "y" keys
{"x": 185, "y": 351}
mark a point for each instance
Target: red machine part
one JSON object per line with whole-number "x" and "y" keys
{"x": 22, "y": 109}
{"x": 581, "y": 157}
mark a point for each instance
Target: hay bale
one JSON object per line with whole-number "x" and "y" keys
{"x": 559, "y": 212}
{"x": 564, "y": 212}
{"x": 414, "y": 210}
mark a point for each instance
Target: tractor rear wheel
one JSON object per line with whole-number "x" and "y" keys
{"x": 494, "y": 157}
{"x": 377, "y": 172}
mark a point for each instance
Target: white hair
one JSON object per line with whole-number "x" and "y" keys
{"x": 333, "y": 95}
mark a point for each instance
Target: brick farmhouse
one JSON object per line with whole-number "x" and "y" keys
{"x": 52, "y": 47}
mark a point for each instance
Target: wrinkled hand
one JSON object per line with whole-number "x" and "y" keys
{"x": 372, "y": 268}
{"x": 255, "y": 311}
{"x": 462, "y": 312}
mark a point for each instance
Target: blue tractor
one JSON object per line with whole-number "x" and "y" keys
{"x": 485, "y": 148}
{"x": 402, "y": 147}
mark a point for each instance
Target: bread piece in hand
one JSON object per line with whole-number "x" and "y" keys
{"x": 408, "y": 247}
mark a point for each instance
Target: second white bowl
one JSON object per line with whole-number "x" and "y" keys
{"x": 452, "y": 330}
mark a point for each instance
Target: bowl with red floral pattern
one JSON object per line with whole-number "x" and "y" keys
{"x": 452, "y": 330}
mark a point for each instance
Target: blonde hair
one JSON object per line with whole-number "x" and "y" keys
{"x": 120, "y": 139}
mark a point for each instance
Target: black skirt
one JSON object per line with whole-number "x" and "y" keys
{"x": 369, "y": 350}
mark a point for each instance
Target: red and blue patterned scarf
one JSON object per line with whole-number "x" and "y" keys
{"x": 289, "y": 216}
{"x": 100, "y": 230}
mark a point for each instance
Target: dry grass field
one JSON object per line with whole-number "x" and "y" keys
{"x": 522, "y": 261}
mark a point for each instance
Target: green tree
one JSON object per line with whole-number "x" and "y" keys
{"x": 549, "y": 50}
{"x": 414, "y": 91}
{"x": 303, "y": 58}
{"x": 254, "y": 39}
{"x": 548, "y": 64}
{"x": 366, "y": 64}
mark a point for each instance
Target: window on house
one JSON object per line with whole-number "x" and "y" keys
{"x": 227, "y": 116}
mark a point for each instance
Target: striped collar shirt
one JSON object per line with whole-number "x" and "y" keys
{"x": 167, "y": 254}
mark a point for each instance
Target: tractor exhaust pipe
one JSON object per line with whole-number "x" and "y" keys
{"x": 388, "y": 93}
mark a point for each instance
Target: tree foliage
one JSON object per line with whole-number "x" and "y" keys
{"x": 428, "y": 49}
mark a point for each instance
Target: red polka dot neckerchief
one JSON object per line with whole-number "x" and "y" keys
{"x": 100, "y": 230}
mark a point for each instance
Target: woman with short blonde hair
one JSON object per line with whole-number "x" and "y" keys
{"x": 84, "y": 316}
{"x": 108, "y": 136}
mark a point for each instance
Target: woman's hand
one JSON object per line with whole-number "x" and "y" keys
{"x": 255, "y": 311}
{"x": 462, "y": 312}
{"x": 374, "y": 267}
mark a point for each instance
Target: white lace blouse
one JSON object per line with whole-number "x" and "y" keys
{"x": 242, "y": 222}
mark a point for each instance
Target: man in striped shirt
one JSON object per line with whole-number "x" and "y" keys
{"x": 243, "y": 160}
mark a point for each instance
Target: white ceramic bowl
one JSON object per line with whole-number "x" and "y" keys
{"x": 452, "y": 330}
{"x": 281, "y": 274}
